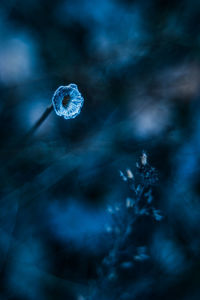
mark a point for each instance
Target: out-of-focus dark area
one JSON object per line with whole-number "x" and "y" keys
{"x": 137, "y": 65}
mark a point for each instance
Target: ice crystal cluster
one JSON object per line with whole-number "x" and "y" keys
{"x": 67, "y": 101}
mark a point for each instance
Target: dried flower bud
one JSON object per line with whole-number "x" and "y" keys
{"x": 110, "y": 209}
{"x": 129, "y": 202}
{"x": 67, "y": 101}
{"x": 124, "y": 178}
{"x": 144, "y": 159}
{"x": 129, "y": 174}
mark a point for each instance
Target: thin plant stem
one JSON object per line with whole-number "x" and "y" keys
{"x": 39, "y": 122}
{"x": 21, "y": 144}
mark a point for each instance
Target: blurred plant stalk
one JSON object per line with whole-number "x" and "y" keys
{"x": 39, "y": 122}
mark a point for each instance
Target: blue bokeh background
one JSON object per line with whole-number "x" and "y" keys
{"x": 137, "y": 65}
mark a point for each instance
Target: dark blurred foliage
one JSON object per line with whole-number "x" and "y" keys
{"x": 137, "y": 65}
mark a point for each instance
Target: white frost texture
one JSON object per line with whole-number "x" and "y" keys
{"x": 67, "y": 101}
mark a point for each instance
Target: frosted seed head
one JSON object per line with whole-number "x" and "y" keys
{"x": 67, "y": 101}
